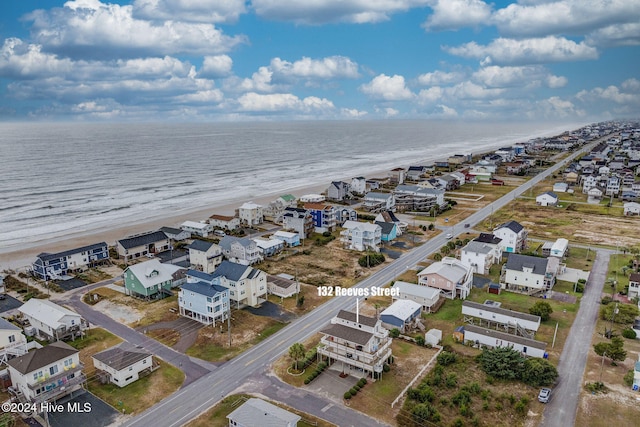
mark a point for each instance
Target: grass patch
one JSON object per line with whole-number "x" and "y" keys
{"x": 580, "y": 258}
{"x": 94, "y": 340}
{"x": 618, "y": 272}
{"x": 142, "y": 394}
{"x": 168, "y": 337}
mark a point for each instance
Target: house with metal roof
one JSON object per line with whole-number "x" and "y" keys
{"x": 359, "y": 342}
{"x": 450, "y": 276}
{"x": 46, "y": 374}
{"x": 269, "y": 247}
{"x": 425, "y": 296}
{"x": 528, "y": 274}
{"x": 281, "y": 286}
{"x": 202, "y": 228}
{"x": 247, "y": 285}
{"x": 482, "y": 336}
{"x": 290, "y": 239}
{"x": 52, "y": 321}
{"x": 175, "y": 234}
{"x": 492, "y": 315}
{"x": 224, "y": 222}
{"x": 152, "y": 279}
{"x": 48, "y": 266}
{"x": 121, "y": 366}
{"x": 205, "y": 256}
{"x": 401, "y": 314}
{"x": 259, "y": 413}
{"x": 140, "y": 245}
{"x": 547, "y": 199}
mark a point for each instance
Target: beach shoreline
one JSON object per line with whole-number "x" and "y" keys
{"x": 14, "y": 257}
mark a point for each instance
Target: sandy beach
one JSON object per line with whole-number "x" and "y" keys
{"x": 23, "y": 256}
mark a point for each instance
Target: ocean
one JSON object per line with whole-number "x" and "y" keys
{"x": 59, "y": 178}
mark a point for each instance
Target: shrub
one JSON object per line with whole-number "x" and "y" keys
{"x": 452, "y": 380}
{"x": 521, "y": 407}
{"x": 357, "y": 387}
{"x": 347, "y": 395}
{"x": 394, "y": 333}
{"x": 386, "y": 367}
{"x": 626, "y": 313}
{"x": 461, "y": 397}
{"x": 596, "y": 387}
{"x": 353, "y": 391}
{"x": 629, "y": 333}
{"x": 425, "y": 412}
{"x": 628, "y": 378}
{"x": 542, "y": 309}
{"x": 465, "y": 410}
{"x": 446, "y": 358}
{"x": 606, "y": 300}
{"x": 498, "y": 406}
{"x": 420, "y": 340}
{"x": 371, "y": 259}
{"x": 502, "y": 362}
{"x": 307, "y": 381}
{"x": 485, "y": 406}
{"x": 538, "y": 372}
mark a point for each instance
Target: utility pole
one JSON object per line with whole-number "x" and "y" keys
{"x": 229, "y": 320}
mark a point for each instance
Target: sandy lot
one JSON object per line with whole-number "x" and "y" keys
{"x": 121, "y": 313}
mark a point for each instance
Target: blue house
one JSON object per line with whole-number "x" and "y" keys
{"x": 48, "y": 266}
{"x": 400, "y": 314}
{"x": 389, "y": 230}
{"x": 289, "y": 239}
{"x": 203, "y": 299}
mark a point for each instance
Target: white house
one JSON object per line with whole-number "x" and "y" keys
{"x": 491, "y": 338}
{"x": 560, "y": 248}
{"x": 479, "y": 256}
{"x": 53, "y": 322}
{"x": 401, "y": 314}
{"x": 247, "y": 285}
{"x": 225, "y": 222}
{"x": 338, "y": 191}
{"x": 634, "y": 285}
{"x": 289, "y": 239}
{"x": 205, "y": 256}
{"x": 47, "y": 373}
{"x": 547, "y": 199}
{"x": 12, "y": 342}
{"x": 240, "y": 249}
{"x": 425, "y": 296}
{"x": 298, "y": 220}
{"x": 258, "y": 413}
{"x": 359, "y": 185}
{"x": 594, "y": 195}
{"x": 269, "y": 247}
{"x": 376, "y": 202}
{"x": 361, "y": 236}
{"x": 140, "y": 245}
{"x": 560, "y": 187}
{"x": 122, "y": 367}
{"x": 492, "y": 315}
{"x": 528, "y": 274}
{"x": 632, "y": 208}
{"x": 202, "y": 229}
{"x": 513, "y": 235}
{"x": 175, "y": 234}
{"x": 250, "y": 214}
{"x": 282, "y": 286}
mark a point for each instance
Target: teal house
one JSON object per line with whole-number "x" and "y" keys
{"x": 152, "y": 279}
{"x": 389, "y": 231}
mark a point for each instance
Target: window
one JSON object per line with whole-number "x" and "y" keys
{"x": 209, "y": 299}
{"x": 68, "y": 362}
{"x": 12, "y": 338}
{"x": 209, "y": 309}
{"x": 53, "y": 370}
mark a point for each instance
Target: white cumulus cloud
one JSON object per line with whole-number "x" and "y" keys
{"x": 214, "y": 11}
{"x": 256, "y": 102}
{"x": 387, "y": 88}
{"x": 616, "y": 35}
{"x": 216, "y": 66}
{"x": 524, "y": 76}
{"x": 453, "y": 14}
{"x": 438, "y": 77}
{"x": 352, "y": 113}
{"x": 330, "y": 67}
{"x": 526, "y": 51}
{"x": 325, "y": 11}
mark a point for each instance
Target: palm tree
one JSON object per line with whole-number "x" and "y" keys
{"x": 296, "y": 352}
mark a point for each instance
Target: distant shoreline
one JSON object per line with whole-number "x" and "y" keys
{"x": 17, "y": 258}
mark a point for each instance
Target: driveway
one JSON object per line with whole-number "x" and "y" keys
{"x": 562, "y": 412}
{"x": 70, "y": 284}
{"x": 9, "y": 303}
{"x": 269, "y": 309}
{"x": 98, "y": 414}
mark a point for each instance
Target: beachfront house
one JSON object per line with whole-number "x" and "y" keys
{"x": 634, "y": 285}
{"x": 49, "y": 266}
{"x": 358, "y": 185}
{"x": 361, "y": 236}
{"x": 344, "y": 214}
{"x": 202, "y": 228}
{"x": 415, "y": 173}
{"x": 479, "y": 256}
{"x": 378, "y": 202}
{"x": 12, "y": 342}
{"x": 290, "y": 239}
{"x": 204, "y": 256}
{"x": 388, "y": 231}
{"x": 224, "y": 222}
{"x": 46, "y": 374}
{"x": 528, "y": 274}
{"x": 450, "y": 276}
{"x": 240, "y": 249}
{"x": 324, "y": 216}
{"x": 425, "y": 296}
{"x": 247, "y": 285}
{"x": 203, "y": 298}
{"x": 152, "y": 279}
{"x": 359, "y": 342}
{"x": 397, "y": 176}
{"x": 274, "y": 210}
{"x": 298, "y": 220}
{"x": 631, "y": 208}
{"x": 175, "y": 234}
{"x": 416, "y": 198}
{"x": 250, "y": 214}
{"x": 547, "y": 199}
{"x": 122, "y": 366}
{"x": 51, "y": 321}
{"x": 140, "y": 245}
{"x": 389, "y": 216}
{"x": 513, "y": 235}
{"x": 258, "y": 413}
{"x": 338, "y": 191}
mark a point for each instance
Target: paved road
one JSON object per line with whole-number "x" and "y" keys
{"x": 561, "y": 410}
{"x": 191, "y": 401}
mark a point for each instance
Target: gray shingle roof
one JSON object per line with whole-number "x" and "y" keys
{"x": 119, "y": 358}
{"x": 41, "y": 357}
{"x": 200, "y": 245}
{"x": 351, "y": 317}
{"x": 6, "y": 325}
{"x": 506, "y": 337}
{"x": 479, "y": 247}
{"x": 511, "y": 225}
{"x": 200, "y": 275}
{"x": 45, "y": 256}
{"x": 519, "y": 262}
{"x": 258, "y": 413}
{"x": 203, "y": 288}
{"x": 387, "y": 227}
{"x": 488, "y": 238}
{"x": 503, "y": 311}
{"x": 144, "y": 239}
{"x": 346, "y": 333}
{"x": 231, "y": 270}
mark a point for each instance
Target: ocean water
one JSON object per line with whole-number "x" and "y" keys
{"x": 74, "y": 177}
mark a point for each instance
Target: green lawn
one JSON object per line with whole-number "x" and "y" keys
{"x": 618, "y": 272}
{"x": 580, "y": 258}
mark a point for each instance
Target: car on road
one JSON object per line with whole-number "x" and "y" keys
{"x": 467, "y": 225}
{"x": 219, "y": 233}
{"x": 544, "y": 395}
{"x": 449, "y": 236}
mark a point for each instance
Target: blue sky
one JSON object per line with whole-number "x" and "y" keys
{"x": 226, "y": 60}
